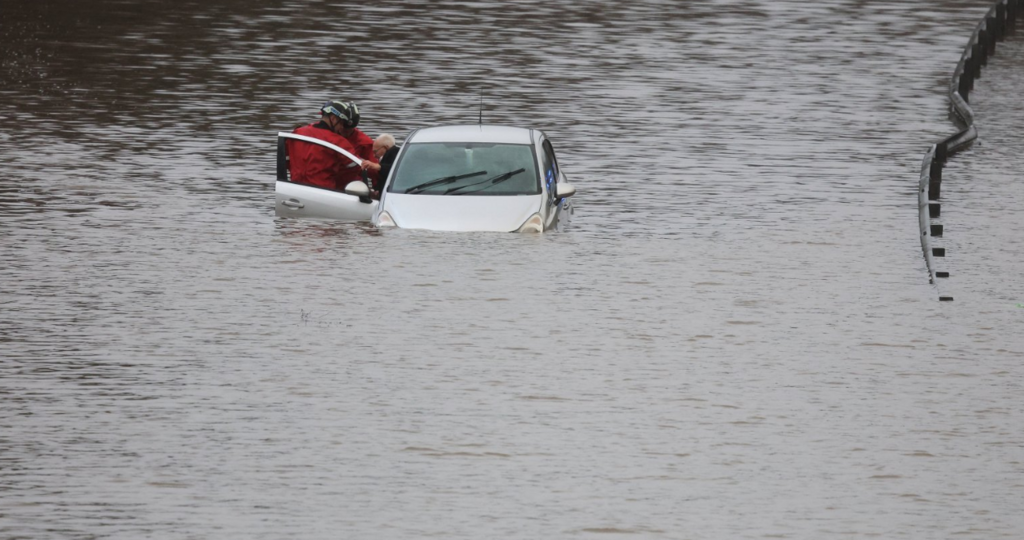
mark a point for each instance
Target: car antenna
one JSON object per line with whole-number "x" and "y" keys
{"x": 481, "y": 107}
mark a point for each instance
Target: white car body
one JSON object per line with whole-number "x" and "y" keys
{"x": 528, "y": 194}
{"x": 297, "y": 200}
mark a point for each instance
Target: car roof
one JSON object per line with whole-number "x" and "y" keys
{"x": 474, "y": 133}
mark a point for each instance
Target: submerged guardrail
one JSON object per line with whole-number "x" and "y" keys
{"x": 996, "y": 25}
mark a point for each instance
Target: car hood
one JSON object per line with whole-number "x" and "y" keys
{"x": 461, "y": 212}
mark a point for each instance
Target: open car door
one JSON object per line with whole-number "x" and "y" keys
{"x": 300, "y": 200}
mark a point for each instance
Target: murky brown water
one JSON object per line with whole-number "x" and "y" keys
{"x": 735, "y": 339}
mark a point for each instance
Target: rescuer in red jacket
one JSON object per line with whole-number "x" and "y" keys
{"x": 316, "y": 165}
{"x": 362, "y": 143}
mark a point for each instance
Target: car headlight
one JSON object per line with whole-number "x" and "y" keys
{"x": 385, "y": 220}
{"x": 535, "y": 224}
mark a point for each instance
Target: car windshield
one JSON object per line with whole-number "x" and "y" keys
{"x": 466, "y": 169}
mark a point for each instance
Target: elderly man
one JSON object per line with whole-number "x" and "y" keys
{"x": 384, "y": 150}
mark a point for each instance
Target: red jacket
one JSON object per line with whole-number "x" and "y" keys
{"x": 316, "y": 165}
{"x": 363, "y": 145}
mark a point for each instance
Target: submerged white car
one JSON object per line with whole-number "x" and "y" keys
{"x": 453, "y": 178}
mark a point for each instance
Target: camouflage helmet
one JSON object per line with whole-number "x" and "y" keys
{"x": 347, "y": 111}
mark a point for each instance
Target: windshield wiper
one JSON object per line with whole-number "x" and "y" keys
{"x": 494, "y": 180}
{"x": 443, "y": 180}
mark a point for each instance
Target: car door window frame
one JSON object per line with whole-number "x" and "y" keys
{"x": 549, "y": 153}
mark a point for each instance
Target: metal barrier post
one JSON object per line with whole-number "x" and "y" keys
{"x": 935, "y": 180}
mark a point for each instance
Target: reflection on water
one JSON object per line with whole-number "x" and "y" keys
{"x": 735, "y": 338}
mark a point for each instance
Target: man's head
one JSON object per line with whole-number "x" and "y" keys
{"x": 341, "y": 116}
{"x": 382, "y": 143}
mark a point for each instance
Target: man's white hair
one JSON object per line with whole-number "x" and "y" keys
{"x": 386, "y": 139}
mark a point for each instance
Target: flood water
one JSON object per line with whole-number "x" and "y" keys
{"x": 735, "y": 338}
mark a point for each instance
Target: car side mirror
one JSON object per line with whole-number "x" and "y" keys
{"x": 565, "y": 191}
{"x": 357, "y": 189}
